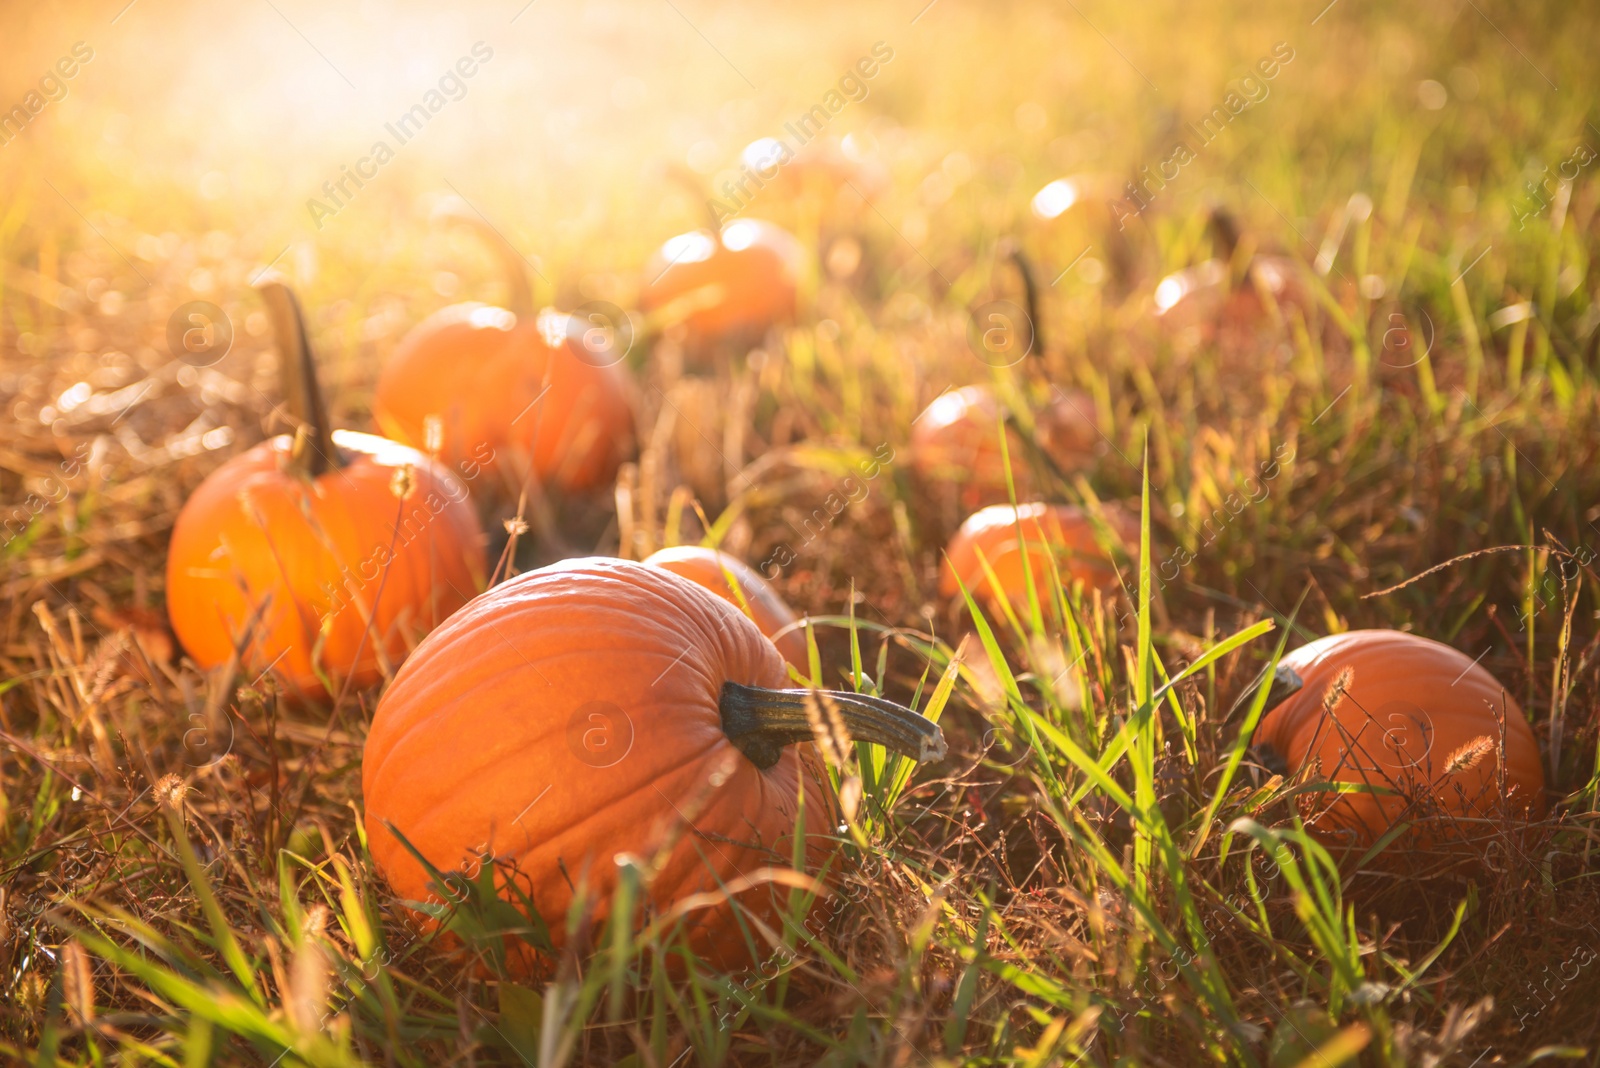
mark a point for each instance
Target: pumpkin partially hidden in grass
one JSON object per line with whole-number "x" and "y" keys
{"x": 725, "y": 288}
{"x": 542, "y": 386}
{"x": 957, "y": 439}
{"x": 720, "y": 573}
{"x": 1413, "y": 717}
{"x": 302, "y": 553}
{"x": 601, "y": 707}
{"x": 1202, "y": 304}
{"x": 1028, "y": 537}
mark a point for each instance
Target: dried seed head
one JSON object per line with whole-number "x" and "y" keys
{"x": 1470, "y": 755}
{"x": 316, "y": 921}
{"x": 432, "y": 434}
{"x": 850, "y": 797}
{"x": 307, "y": 997}
{"x": 516, "y": 526}
{"x": 1337, "y": 689}
{"x": 77, "y": 983}
{"x": 169, "y": 792}
{"x": 403, "y": 481}
{"x": 30, "y": 993}
{"x": 828, "y": 728}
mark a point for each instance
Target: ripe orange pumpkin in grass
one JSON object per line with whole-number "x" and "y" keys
{"x": 726, "y": 288}
{"x": 1202, "y": 304}
{"x": 600, "y": 707}
{"x": 1029, "y": 536}
{"x": 823, "y": 169}
{"x": 301, "y": 551}
{"x": 718, "y": 572}
{"x": 543, "y": 386}
{"x": 1414, "y": 716}
{"x": 956, "y": 439}
{"x": 1090, "y": 215}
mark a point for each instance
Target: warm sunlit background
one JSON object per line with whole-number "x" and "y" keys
{"x": 192, "y": 142}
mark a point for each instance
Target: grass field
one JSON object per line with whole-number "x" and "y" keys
{"x": 1100, "y": 872}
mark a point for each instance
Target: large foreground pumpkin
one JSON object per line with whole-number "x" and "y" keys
{"x": 542, "y": 386}
{"x": 720, "y": 573}
{"x": 599, "y": 707}
{"x": 1414, "y": 717}
{"x": 328, "y": 549}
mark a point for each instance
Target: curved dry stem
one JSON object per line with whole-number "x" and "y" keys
{"x": 696, "y": 187}
{"x": 1030, "y": 290}
{"x": 760, "y": 722}
{"x": 513, "y": 265}
{"x": 313, "y": 453}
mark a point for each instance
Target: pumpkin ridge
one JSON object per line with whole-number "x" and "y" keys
{"x": 421, "y": 827}
{"x": 472, "y": 771}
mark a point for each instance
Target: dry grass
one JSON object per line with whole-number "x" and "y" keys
{"x": 174, "y": 840}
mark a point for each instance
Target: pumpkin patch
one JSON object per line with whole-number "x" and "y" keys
{"x": 1083, "y": 549}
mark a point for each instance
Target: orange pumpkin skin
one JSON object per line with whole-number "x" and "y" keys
{"x": 729, "y": 287}
{"x": 1198, "y": 302}
{"x": 1081, "y": 211}
{"x": 498, "y": 383}
{"x": 956, "y": 439}
{"x": 256, "y": 538}
{"x": 571, "y": 715}
{"x": 823, "y": 170}
{"x": 710, "y": 568}
{"x": 1062, "y": 531}
{"x": 1411, "y": 705}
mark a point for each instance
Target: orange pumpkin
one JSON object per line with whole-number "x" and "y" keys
{"x": 727, "y": 288}
{"x": 1413, "y": 716}
{"x": 1029, "y": 536}
{"x": 600, "y": 707}
{"x": 1202, "y": 303}
{"x": 720, "y": 573}
{"x": 301, "y": 553}
{"x": 544, "y": 387}
{"x": 956, "y": 440}
{"x": 823, "y": 170}
{"x": 1090, "y": 215}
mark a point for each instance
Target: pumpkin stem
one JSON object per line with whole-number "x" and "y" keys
{"x": 1030, "y": 291}
{"x": 313, "y": 452}
{"x": 1224, "y": 231}
{"x": 1285, "y": 683}
{"x": 760, "y": 722}
{"x": 697, "y": 189}
{"x": 512, "y": 263}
